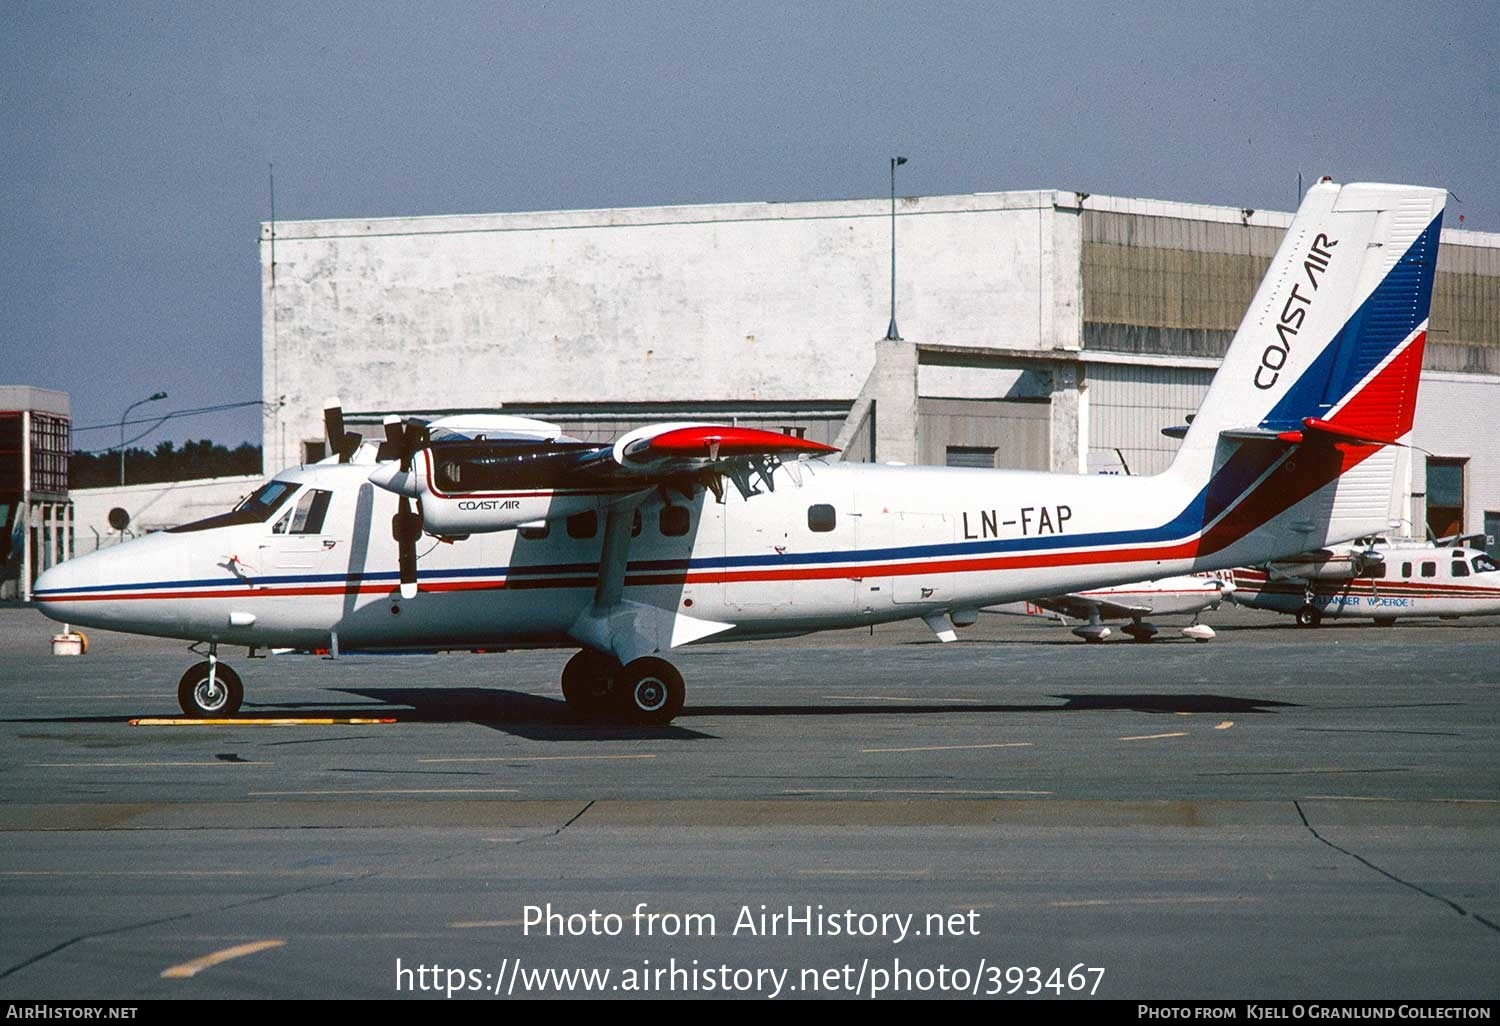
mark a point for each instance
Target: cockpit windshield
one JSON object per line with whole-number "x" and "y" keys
{"x": 1485, "y": 565}
{"x": 257, "y": 507}
{"x": 266, "y": 499}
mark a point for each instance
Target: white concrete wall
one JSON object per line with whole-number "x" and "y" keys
{"x": 748, "y": 302}
{"x": 152, "y": 507}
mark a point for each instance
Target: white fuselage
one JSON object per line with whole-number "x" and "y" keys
{"x": 904, "y": 542}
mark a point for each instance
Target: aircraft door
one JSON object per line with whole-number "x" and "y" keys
{"x": 917, "y": 579}
{"x": 296, "y": 543}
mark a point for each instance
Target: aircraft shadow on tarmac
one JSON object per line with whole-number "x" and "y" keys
{"x": 539, "y": 718}
{"x": 1066, "y": 703}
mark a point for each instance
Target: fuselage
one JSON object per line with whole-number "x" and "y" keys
{"x": 833, "y": 545}
{"x": 1416, "y": 580}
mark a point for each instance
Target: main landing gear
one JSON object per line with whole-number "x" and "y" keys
{"x": 1309, "y": 616}
{"x": 647, "y": 690}
{"x": 210, "y": 689}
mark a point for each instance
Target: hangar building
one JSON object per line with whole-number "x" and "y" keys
{"x": 1040, "y": 329}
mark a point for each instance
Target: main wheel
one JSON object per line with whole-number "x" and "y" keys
{"x": 1308, "y": 616}
{"x": 650, "y": 690}
{"x": 587, "y": 682}
{"x": 201, "y": 700}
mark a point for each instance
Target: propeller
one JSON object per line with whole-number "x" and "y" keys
{"x": 345, "y": 443}
{"x": 404, "y": 439}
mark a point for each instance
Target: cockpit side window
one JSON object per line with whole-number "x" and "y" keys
{"x": 1485, "y": 565}
{"x": 307, "y": 518}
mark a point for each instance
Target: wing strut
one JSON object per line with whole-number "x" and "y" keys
{"x": 623, "y": 627}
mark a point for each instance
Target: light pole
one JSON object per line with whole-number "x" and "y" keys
{"x": 891, "y": 333}
{"x": 140, "y": 402}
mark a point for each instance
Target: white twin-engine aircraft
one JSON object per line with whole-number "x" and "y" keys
{"x": 682, "y": 532}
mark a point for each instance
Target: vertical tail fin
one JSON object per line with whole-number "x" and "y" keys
{"x": 1299, "y": 430}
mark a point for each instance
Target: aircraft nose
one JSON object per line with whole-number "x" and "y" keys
{"x": 52, "y": 588}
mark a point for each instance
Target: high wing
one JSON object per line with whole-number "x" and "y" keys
{"x": 1089, "y": 607}
{"x": 481, "y": 473}
{"x": 474, "y": 475}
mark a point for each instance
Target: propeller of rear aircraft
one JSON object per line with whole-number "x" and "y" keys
{"x": 404, "y": 439}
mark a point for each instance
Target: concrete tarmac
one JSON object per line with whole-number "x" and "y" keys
{"x": 1279, "y": 813}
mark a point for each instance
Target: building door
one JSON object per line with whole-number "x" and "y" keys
{"x": 1445, "y": 496}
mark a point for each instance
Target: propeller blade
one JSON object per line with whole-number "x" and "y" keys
{"x": 344, "y": 443}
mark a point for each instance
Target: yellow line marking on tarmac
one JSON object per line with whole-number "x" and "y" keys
{"x": 249, "y": 721}
{"x": 1153, "y": 737}
{"x": 391, "y": 790}
{"x": 189, "y": 969}
{"x": 480, "y": 924}
{"x": 953, "y": 748}
{"x": 537, "y": 758}
{"x": 121, "y": 765}
{"x": 872, "y": 790}
{"x": 1224, "y": 726}
{"x": 1098, "y": 902}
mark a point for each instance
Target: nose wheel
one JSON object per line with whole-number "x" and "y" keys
{"x": 210, "y": 690}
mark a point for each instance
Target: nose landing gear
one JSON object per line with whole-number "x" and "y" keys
{"x": 210, "y": 689}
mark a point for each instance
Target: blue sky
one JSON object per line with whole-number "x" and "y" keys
{"x": 137, "y": 137}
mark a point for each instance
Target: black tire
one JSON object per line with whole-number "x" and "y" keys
{"x": 587, "y": 682}
{"x": 1385, "y": 621}
{"x": 197, "y": 701}
{"x": 650, "y": 690}
{"x": 1308, "y": 616}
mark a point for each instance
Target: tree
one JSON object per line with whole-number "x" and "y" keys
{"x": 166, "y": 463}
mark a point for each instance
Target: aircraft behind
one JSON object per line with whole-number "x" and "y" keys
{"x": 496, "y": 532}
{"x": 1186, "y": 593}
{"x": 1375, "y": 579}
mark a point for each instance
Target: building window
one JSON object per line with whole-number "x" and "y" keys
{"x": 821, "y": 518}
{"x": 583, "y": 525}
{"x": 971, "y": 456}
{"x": 674, "y": 521}
{"x": 1445, "y": 496}
{"x": 1429, "y": 569}
{"x": 312, "y": 452}
{"x": 536, "y": 532}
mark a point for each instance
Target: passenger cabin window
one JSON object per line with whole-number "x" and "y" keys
{"x": 674, "y": 521}
{"x": 1460, "y": 568}
{"x": 821, "y": 518}
{"x": 1429, "y": 569}
{"x": 1405, "y": 569}
{"x": 635, "y": 525}
{"x": 583, "y": 525}
{"x": 537, "y": 532}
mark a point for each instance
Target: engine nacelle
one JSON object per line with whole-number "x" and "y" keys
{"x": 1323, "y": 565}
{"x": 465, "y": 488}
